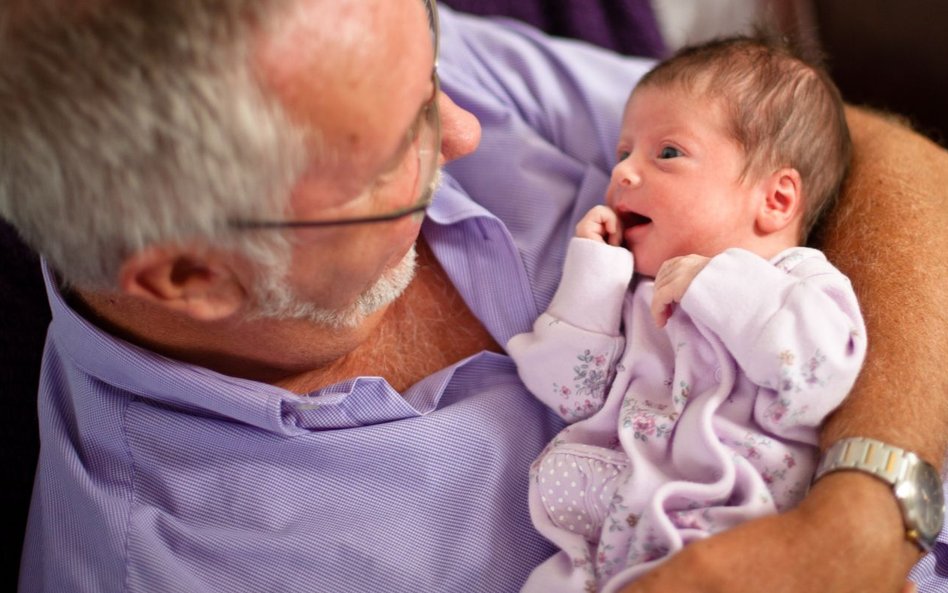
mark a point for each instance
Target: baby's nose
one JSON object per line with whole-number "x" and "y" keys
{"x": 625, "y": 175}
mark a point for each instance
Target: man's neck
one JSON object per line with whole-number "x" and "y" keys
{"x": 426, "y": 329}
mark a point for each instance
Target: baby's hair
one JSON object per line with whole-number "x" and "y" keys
{"x": 782, "y": 108}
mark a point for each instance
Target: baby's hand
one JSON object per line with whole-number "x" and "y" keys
{"x": 671, "y": 282}
{"x": 600, "y": 224}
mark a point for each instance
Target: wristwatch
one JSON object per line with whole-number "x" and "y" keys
{"x": 915, "y": 483}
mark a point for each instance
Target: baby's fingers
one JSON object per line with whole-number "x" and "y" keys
{"x": 663, "y": 305}
{"x": 599, "y": 224}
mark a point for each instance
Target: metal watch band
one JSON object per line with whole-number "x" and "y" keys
{"x": 916, "y": 484}
{"x": 875, "y": 457}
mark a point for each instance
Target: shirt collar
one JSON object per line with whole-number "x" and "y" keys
{"x": 140, "y": 373}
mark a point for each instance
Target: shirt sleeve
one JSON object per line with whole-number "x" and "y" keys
{"x": 568, "y": 359}
{"x": 794, "y": 328}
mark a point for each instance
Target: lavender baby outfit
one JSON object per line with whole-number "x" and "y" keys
{"x": 683, "y": 431}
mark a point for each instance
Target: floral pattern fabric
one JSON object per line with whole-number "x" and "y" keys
{"x": 681, "y": 432}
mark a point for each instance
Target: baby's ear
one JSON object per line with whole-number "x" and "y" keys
{"x": 783, "y": 201}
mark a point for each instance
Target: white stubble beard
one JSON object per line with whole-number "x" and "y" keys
{"x": 276, "y": 299}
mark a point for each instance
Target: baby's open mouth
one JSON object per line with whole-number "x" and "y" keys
{"x": 634, "y": 219}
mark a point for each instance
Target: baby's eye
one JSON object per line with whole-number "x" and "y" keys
{"x": 669, "y": 152}
{"x": 622, "y": 155}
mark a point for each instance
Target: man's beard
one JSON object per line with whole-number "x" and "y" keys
{"x": 275, "y": 299}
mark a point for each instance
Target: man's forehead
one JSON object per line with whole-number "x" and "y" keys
{"x": 345, "y": 24}
{"x": 346, "y": 50}
{"x": 356, "y": 71}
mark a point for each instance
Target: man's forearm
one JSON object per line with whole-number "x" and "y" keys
{"x": 889, "y": 234}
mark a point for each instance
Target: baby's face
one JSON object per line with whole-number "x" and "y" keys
{"x": 676, "y": 185}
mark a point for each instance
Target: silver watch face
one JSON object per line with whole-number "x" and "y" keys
{"x": 923, "y": 500}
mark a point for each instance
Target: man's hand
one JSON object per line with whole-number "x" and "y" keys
{"x": 671, "y": 282}
{"x": 846, "y": 536}
{"x": 600, "y": 224}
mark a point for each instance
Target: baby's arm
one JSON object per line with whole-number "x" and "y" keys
{"x": 568, "y": 360}
{"x": 794, "y": 329}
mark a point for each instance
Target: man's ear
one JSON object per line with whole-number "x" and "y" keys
{"x": 202, "y": 285}
{"x": 783, "y": 200}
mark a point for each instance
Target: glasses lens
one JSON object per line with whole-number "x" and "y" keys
{"x": 429, "y": 147}
{"x": 430, "y": 129}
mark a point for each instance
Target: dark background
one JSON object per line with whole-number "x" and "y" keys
{"x": 890, "y": 55}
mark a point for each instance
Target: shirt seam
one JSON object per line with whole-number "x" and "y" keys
{"x": 132, "y": 495}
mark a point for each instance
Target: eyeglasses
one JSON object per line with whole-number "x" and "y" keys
{"x": 423, "y": 138}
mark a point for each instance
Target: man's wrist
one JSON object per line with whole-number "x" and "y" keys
{"x": 914, "y": 484}
{"x": 858, "y": 509}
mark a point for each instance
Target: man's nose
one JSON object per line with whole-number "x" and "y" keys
{"x": 460, "y": 130}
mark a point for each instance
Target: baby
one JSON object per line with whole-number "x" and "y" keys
{"x": 696, "y": 397}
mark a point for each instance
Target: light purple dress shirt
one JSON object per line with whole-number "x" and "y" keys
{"x": 156, "y": 475}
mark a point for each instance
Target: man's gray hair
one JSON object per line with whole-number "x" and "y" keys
{"x": 134, "y": 122}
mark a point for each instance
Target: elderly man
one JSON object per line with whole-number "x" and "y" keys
{"x": 267, "y": 372}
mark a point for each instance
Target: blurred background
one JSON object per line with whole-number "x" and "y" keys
{"x": 890, "y": 55}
